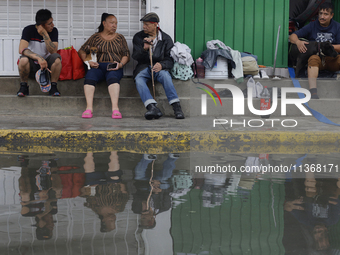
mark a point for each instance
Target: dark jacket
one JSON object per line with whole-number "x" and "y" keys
{"x": 161, "y": 53}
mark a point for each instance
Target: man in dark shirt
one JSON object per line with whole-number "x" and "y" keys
{"x": 161, "y": 44}
{"x": 38, "y": 48}
{"x": 322, "y": 30}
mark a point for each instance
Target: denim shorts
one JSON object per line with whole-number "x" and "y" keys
{"x": 96, "y": 75}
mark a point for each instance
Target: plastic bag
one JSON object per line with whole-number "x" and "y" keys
{"x": 181, "y": 72}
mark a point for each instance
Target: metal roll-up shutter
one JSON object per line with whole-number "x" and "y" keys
{"x": 76, "y": 21}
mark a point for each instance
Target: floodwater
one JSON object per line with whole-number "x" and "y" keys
{"x": 131, "y": 203}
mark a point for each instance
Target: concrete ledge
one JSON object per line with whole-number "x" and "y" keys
{"x": 170, "y": 141}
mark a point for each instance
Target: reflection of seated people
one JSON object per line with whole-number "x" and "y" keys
{"x": 105, "y": 193}
{"x": 314, "y": 203}
{"x": 148, "y": 203}
{"x": 39, "y": 191}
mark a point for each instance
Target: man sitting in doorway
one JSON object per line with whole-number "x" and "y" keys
{"x": 322, "y": 30}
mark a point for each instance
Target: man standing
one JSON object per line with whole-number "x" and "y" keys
{"x": 161, "y": 44}
{"x": 322, "y": 30}
{"x": 38, "y": 48}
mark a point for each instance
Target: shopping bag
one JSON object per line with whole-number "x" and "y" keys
{"x": 77, "y": 66}
{"x": 66, "y": 62}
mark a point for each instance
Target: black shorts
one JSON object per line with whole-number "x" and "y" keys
{"x": 34, "y": 65}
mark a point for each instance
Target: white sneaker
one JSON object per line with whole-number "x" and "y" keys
{"x": 264, "y": 74}
{"x": 251, "y": 84}
{"x": 258, "y": 88}
{"x": 150, "y": 156}
{"x": 173, "y": 155}
{"x": 257, "y": 76}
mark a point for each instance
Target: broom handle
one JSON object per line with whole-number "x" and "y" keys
{"x": 277, "y": 45}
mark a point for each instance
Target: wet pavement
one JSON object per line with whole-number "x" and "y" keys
{"x": 198, "y": 123}
{"x": 119, "y": 202}
{"x": 184, "y": 187}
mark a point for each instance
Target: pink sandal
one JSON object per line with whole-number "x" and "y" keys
{"x": 87, "y": 114}
{"x": 116, "y": 114}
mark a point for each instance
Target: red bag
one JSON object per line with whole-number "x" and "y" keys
{"x": 72, "y": 65}
{"x": 77, "y": 66}
{"x": 66, "y": 62}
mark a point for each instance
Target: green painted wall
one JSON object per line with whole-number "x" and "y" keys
{"x": 244, "y": 25}
{"x": 336, "y": 10}
{"x": 252, "y": 225}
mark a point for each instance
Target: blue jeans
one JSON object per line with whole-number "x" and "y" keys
{"x": 95, "y": 75}
{"x": 163, "y": 175}
{"x": 163, "y": 77}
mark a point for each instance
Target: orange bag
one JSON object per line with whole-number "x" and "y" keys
{"x": 77, "y": 66}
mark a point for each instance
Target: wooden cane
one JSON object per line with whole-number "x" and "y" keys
{"x": 151, "y": 186}
{"x": 153, "y": 82}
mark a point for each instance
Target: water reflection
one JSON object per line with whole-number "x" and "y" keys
{"x": 39, "y": 191}
{"x": 131, "y": 203}
{"x": 153, "y": 188}
{"x": 312, "y": 207}
{"x": 104, "y": 190}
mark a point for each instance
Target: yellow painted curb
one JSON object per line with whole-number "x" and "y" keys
{"x": 170, "y": 141}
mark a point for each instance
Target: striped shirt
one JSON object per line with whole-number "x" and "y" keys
{"x": 108, "y": 50}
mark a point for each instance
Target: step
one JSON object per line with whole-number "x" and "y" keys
{"x": 327, "y": 88}
{"x": 10, "y": 86}
{"x": 72, "y": 102}
{"x": 75, "y": 105}
{"x": 328, "y": 107}
{"x": 133, "y": 106}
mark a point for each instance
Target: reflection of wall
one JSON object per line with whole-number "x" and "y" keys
{"x": 76, "y": 231}
{"x": 251, "y": 224}
{"x": 9, "y": 187}
{"x": 158, "y": 240}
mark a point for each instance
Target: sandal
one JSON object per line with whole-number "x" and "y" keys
{"x": 116, "y": 114}
{"x": 87, "y": 114}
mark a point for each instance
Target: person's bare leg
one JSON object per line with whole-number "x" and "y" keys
{"x": 89, "y": 165}
{"x": 114, "y": 95}
{"x": 24, "y": 69}
{"x": 55, "y": 70}
{"x": 114, "y": 162}
{"x": 89, "y": 94}
{"x": 313, "y": 72}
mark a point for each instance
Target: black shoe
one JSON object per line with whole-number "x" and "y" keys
{"x": 178, "y": 110}
{"x": 23, "y": 91}
{"x": 314, "y": 93}
{"x": 314, "y": 96}
{"x": 54, "y": 91}
{"x": 153, "y": 112}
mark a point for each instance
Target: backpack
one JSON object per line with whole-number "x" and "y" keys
{"x": 250, "y": 66}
